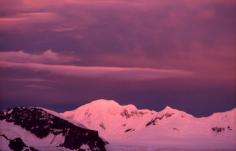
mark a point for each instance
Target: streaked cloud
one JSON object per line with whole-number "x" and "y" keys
{"x": 124, "y": 73}
{"x": 35, "y": 86}
{"x": 48, "y": 56}
{"x": 64, "y": 28}
{"x": 26, "y": 20}
{"x": 35, "y": 80}
{"x": 175, "y": 50}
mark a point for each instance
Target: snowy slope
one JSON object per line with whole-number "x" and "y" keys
{"x": 125, "y": 127}
{"x": 36, "y": 128}
{"x": 128, "y": 126}
{"x": 110, "y": 118}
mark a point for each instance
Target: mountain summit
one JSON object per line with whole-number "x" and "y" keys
{"x": 126, "y": 123}
{"x": 109, "y": 117}
{"x": 105, "y": 105}
{"x": 102, "y": 114}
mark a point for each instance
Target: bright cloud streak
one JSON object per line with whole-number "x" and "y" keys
{"x": 48, "y": 56}
{"x": 101, "y": 72}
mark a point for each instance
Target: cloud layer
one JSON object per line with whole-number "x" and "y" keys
{"x": 52, "y": 63}
{"x": 115, "y": 73}
{"x": 47, "y": 56}
{"x": 168, "y": 52}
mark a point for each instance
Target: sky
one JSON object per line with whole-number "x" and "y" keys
{"x": 61, "y": 54}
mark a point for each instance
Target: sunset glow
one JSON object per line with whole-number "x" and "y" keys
{"x": 62, "y": 53}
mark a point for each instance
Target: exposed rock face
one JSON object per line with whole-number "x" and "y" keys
{"x": 128, "y": 114}
{"x": 151, "y": 122}
{"x": 41, "y": 123}
{"x": 17, "y": 144}
{"x": 220, "y": 129}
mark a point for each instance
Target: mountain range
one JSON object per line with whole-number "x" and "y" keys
{"x": 169, "y": 128}
{"x": 106, "y": 125}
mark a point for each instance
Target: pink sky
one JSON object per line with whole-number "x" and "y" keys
{"x": 168, "y": 52}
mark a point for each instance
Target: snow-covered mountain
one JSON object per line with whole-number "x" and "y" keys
{"x": 125, "y": 125}
{"x": 110, "y": 118}
{"x": 32, "y": 129}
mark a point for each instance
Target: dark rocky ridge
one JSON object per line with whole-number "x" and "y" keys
{"x": 41, "y": 123}
{"x": 18, "y": 144}
{"x": 154, "y": 120}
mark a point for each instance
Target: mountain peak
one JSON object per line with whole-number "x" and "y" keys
{"x": 111, "y": 104}
{"x": 101, "y": 104}
{"x": 104, "y": 102}
{"x": 169, "y": 109}
{"x": 130, "y": 107}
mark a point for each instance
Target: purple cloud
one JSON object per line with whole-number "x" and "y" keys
{"x": 175, "y": 50}
{"x": 125, "y": 73}
{"x": 48, "y": 56}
